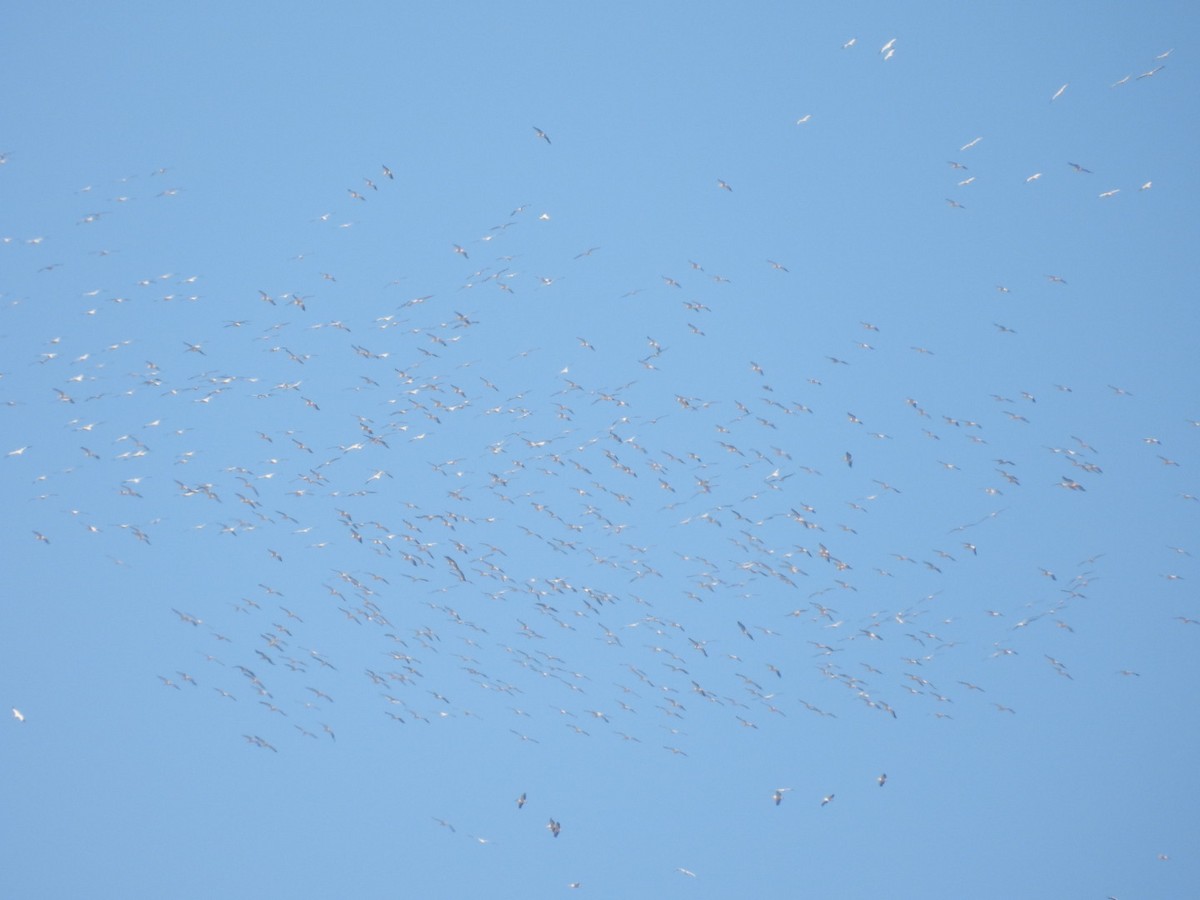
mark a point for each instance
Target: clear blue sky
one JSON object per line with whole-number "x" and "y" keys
{"x": 710, "y": 402}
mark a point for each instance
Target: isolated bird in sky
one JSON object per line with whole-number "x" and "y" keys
{"x": 521, "y": 800}
{"x": 542, "y": 134}
{"x": 778, "y": 795}
{"x": 1058, "y": 93}
{"x": 18, "y": 715}
{"x": 723, "y": 185}
{"x": 828, "y": 798}
{"x": 882, "y": 779}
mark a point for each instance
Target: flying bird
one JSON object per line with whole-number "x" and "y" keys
{"x": 541, "y": 134}
{"x": 1058, "y": 93}
{"x": 18, "y": 715}
{"x": 826, "y": 799}
{"x": 882, "y": 779}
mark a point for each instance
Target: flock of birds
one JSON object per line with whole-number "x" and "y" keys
{"x": 547, "y": 539}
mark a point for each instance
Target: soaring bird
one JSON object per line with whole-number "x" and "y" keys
{"x": 882, "y": 779}
{"x": 541, "y": 134}
{"x": 18, "y": 715}
{"x": 826, "y": 799}
{"x": 778, "y": 795}
{"x": 521, "y": 800}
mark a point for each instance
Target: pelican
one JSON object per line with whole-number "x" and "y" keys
{"x": 1058, "y": 93}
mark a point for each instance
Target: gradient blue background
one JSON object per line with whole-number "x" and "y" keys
{"x": 618, "y": 449}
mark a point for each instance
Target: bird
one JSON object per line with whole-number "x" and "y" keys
{"x": 555, "y": 827}
{"x": 826, "y": 799}
{"x": 521, "y": 801}
{"x": 1058, "y": 93}
{"x": 723, "y": 185}
{"x": 882, "y": 779}
{"x": 778, "y": 795}
{"x": 18, "y": 715}
{"x": 542, "y": 134}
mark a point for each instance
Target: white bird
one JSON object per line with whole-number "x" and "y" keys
{"x": 18, "y": 715}
{"x": 1146, "y": 186}
{"x": 850, "y": 43}
{"x": 804, "y": 118}
{"x": 888, "y": 46}
{"x": 970, "y": 144}
{"x": 1058, "y": 93}
{"x": 826, "y": 799}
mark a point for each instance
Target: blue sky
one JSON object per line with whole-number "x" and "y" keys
{"x": 328, "y": 541}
